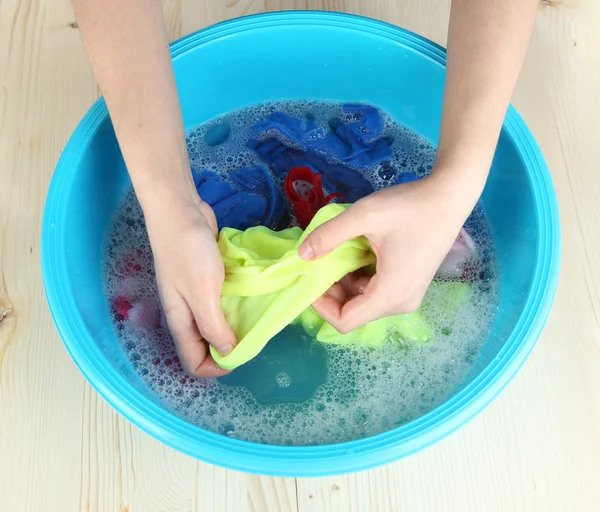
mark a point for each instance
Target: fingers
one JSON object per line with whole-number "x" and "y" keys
{"x": 212, "y": 324}
{"x": 191, "y": 346}
{"x": 340, "y": 293}
{"x": 337, "y": 292}
{"x": 209, "y": 369}
{"x": 356, "y": 283}
{"x": 358, "y": 310}
{"x": 365, "y": 308}
{"x": 348, "y": 313}
{"x": 358, "y": 300}
{"x": 330, "y": 235}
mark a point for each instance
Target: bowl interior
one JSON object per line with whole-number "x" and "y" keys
{"x": 242, "y": 67}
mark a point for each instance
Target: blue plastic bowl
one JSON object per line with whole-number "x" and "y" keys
{"x": 286, "y": 56}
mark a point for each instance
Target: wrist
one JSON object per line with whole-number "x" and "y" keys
{"x": 458, "y": 187}
{"x": 468, "y": 159}
{"x": 467, "y": 142}
{"x": 464, "y": 165}
{"x": 166, "y": 203}
{"x": 159, "y": 167}
{"x": 163, "y": 177}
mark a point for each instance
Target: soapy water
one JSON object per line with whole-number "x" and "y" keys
{"x": 221, "y": 144}
{"x": 363, "y": 391}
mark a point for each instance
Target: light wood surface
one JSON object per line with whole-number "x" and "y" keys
{"x": 62, "y": 448}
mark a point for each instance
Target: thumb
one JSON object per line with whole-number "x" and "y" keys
{"x": 331, "y": 235}
{"x": 212, "y": 325}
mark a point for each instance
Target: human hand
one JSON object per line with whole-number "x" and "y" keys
{"x": 189, "y": 272}
{"x": 411, "y": 228}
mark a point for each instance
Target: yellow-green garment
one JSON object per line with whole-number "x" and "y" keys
{"x": 268, "y": 286}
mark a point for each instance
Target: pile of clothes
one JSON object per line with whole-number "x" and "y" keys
{"x": 267, "y": 286}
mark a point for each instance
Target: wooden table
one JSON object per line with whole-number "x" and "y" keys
{"x": 62, "y": 448}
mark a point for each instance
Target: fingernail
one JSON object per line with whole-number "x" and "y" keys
{"x": 226, "y": 350}
{"x": 307, "y": 252}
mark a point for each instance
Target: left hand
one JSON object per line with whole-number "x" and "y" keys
{"x": 411, "y": 228}
{"x": 189, "y": 273}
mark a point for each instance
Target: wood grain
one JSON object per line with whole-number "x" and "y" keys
{"x": 62, "y": 448}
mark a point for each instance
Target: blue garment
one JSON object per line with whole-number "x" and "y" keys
{"x": 284, "y": 142}
{"x": 248, "y": 197}
{"x": 405, "y": 177}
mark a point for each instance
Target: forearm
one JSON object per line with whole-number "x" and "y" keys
{"x": 487, "y": 43}
{"x": 127, "y": 46}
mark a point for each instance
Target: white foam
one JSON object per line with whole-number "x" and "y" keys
{"x": 367, "y": 391}
{"x": 283, "y": 380}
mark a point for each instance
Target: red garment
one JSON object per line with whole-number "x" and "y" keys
{"x": 122, "y": 308}
{"x": 305, "y": 191}
{"x": 127, "y": 305}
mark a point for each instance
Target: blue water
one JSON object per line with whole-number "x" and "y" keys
{"x": 299, "y": 392}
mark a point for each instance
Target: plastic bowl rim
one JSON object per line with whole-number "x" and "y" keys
{"x": 301, "y": 461}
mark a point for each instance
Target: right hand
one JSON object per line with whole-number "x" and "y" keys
{"x": 190, "y": 273}
{"x": 411, "y": 228}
